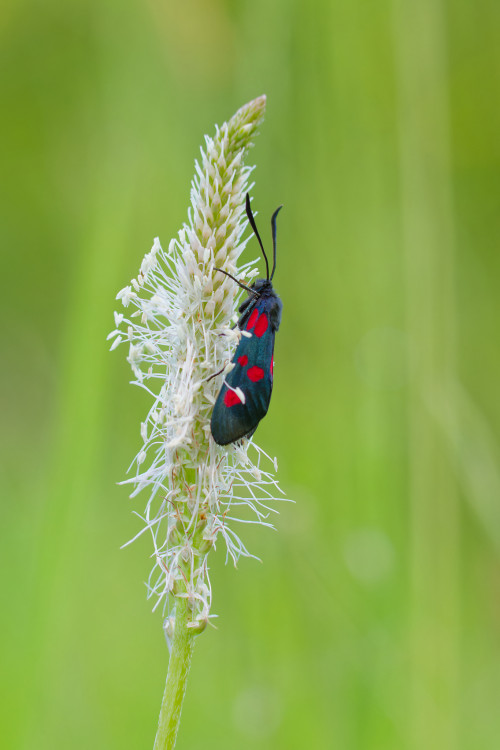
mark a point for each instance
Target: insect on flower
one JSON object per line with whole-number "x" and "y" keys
{"x": 246, "y": 392}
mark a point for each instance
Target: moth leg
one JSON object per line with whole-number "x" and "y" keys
{"x": 219, "y": 372}
{"x": 215, "y": 374}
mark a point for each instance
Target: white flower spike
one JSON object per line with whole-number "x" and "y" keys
{"x": 177, "y": 322}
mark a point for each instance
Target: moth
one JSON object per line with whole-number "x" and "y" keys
{"x": 246, "y": 392}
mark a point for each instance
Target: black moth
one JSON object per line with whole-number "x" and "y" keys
{"x": 246, "y": 392}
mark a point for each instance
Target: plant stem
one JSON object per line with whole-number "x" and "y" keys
{"x": 429, "y": 242}
{"x": 175, "y": 686}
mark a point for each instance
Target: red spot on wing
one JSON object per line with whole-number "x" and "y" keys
{"x": 255, "y": 374}
{"x": 272, "y": 365}
{"x": 261, "y": 325}
{"x": 251, "y": 320}
{"x": 231, "y": 398}
{"x": 243, "y": 360}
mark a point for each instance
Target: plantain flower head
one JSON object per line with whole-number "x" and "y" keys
{"x": 177, "y": 320}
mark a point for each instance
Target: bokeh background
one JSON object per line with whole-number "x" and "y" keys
{"x": 374, "y": 621}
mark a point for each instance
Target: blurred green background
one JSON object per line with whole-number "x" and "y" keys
{"x": 374, "y": 621}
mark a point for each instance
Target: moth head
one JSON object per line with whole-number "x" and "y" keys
{"x": 260, "y": 285}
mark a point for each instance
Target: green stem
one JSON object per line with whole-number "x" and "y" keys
{"x": 428, "y": 226}
{"x": 175, "y": 686}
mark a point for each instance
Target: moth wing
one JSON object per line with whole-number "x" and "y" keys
{"x": 237, "y": 413}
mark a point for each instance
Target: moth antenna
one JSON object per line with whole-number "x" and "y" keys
{"x": 252, "y": 224}
{"x": 243, "y": 286}
{"x": 273, "y": 228}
